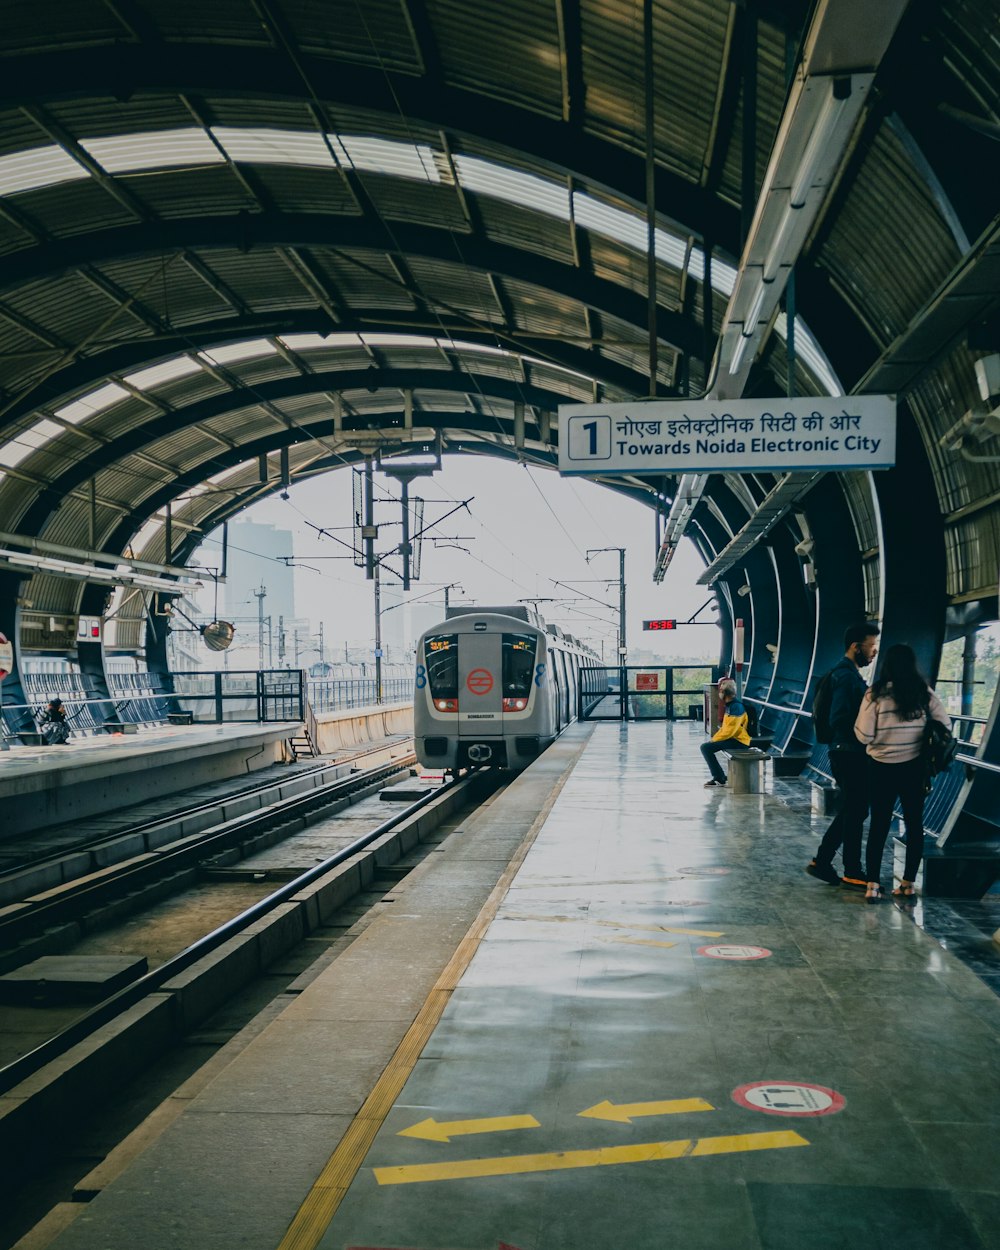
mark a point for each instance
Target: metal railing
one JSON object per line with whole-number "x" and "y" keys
{"x": 208, "y": 698}
{"x": 336, "y": 694}
{"x": 652, "y": 691}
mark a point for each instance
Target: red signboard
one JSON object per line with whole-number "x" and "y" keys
{"x": 647, "y": 681}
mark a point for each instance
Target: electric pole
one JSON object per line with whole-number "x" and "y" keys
{"x": 260, "y": 596}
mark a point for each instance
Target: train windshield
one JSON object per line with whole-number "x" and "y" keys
{"x": 518, "y": 665}
{"x": 441, "y": 658}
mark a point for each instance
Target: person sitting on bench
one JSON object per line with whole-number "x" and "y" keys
{"x": 732, "y": 735}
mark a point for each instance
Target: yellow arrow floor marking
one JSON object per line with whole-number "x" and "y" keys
{"x": 625, "y": 1112}
{"x": 434, "y": 1130}
{"x": 639, "y": 941}
{"x": 513, "y": 1165}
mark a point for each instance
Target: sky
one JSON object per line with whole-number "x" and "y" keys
{"x": 525, "y": 535}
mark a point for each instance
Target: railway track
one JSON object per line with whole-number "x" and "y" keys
{"x": 86, "y": 1064}
{"x": 137, "y": 862}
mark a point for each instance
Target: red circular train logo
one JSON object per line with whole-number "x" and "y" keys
{"x": 480, "y": 681}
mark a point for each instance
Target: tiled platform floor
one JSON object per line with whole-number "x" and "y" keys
{"x": 767, "y": 1063}
{"x": 597, "y": 983}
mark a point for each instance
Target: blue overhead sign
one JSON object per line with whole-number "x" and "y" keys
{"x": 734, "y": 436}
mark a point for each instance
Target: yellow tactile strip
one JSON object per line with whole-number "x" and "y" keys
{"x": 330, "y": 1188}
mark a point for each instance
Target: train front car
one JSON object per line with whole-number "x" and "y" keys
{"x": 483, "y": 692}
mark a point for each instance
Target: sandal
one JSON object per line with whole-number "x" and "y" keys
{"x": 874, "y": 892}
{"x": 906, "y": 889}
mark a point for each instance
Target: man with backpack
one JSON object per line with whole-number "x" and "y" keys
{"x": 835, "y": 709}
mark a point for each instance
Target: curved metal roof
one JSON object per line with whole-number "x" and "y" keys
{"x": 232, "y": 229}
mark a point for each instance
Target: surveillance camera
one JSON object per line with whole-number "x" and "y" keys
{"x": 804, "y": 548}
{"x": 744, "y": 589}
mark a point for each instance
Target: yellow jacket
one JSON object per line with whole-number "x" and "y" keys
{"x": 734, "y": 724}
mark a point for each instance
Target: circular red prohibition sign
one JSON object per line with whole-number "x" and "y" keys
{"x": 480, "y": 681}
{"x": 789, "y": 1098}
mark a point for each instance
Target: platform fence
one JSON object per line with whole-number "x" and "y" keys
{"x": 644, "y": 692}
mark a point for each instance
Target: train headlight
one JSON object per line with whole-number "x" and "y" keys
{"x": 446, "y": 705}
{"x": 514, "y": 705}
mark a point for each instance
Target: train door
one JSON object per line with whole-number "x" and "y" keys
{"x": 480, "y": 666}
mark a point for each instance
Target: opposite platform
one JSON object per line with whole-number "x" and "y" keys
{"x": 666, "y": 1035}
{"x": 43, "y": 785}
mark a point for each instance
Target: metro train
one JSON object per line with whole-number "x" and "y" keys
{"x": 494, "y": 686}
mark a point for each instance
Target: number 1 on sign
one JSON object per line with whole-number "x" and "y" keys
{"x": 591, "y": 428}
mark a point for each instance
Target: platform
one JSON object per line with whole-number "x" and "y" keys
{"x": 43, "y": 785}
{"x": 658, "y": 1032}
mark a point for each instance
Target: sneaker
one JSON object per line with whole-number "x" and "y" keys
{"x": 822, "y": 872}
{"x": 709, "y": 785}
{"x": 853, "y": 883}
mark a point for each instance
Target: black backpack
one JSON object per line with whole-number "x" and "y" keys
{"x": 753, "y": 723}
{"x": 822, "y": 707}
{"x": 938, "y": 749}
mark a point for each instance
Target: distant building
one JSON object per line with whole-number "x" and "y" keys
{"x": 255, "y": 554}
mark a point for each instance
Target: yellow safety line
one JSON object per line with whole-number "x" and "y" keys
{"x": 330, "y": 1188}
{"x": 511, "y": 1165}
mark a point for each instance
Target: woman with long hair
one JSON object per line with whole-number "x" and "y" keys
{"x": 891, "y": 724}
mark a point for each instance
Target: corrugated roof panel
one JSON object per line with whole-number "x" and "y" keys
{"x": 82, "y": 23}
{"x": 168, "y": 288}
{"x": 260, "y": 277}
{"x": 38, "y": 167}
{"x": 74, "y": 208}
{"x": 562, "y": 381}
{"x": 16, "y": 496}
{"x": 69, "y": 307}
{"x": 393, "y": 157}
{"x": 262, "y": 145}
{"x": 455, "y": 285}
{"x": 887, "y": 202}
{"x": 972, "y": 59}
{"x": 523, "y": 228}
{"x": 155, "y": 377}
{"x": 245, "y": 424}
{"x": 102, "y": 117}
{"x": 229, "y": 21}
{"x": 12, "y": 237}
{"x": 502, "y": 181}
{"x": 372, "y": 32}
{"x": 771, "y": 92}
{"x": 371, "y": 282}
{"x": 626, "y": 267}
{"x": 522, "y": 63}
{"x": 88, "y": 405}
{"x": 437, "y": 206}
{"x": 154, "y": 149}
{"x": 209, "y": 191}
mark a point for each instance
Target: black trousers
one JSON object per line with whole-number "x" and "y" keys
{"x": 890, "y": 782}
{"x": 850, "y": 771}
{"x": 711, "y": 749}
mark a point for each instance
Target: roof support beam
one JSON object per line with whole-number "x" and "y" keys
{"x": 844, "y": 46}
{"x": 344, "y": 236}
{"x": 131, "y": 356}
{"x": 261, "y": 73}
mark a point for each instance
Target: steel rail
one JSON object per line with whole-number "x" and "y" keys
{"x": 185, "y": 852}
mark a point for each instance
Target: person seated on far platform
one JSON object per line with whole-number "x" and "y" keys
{"x": 732, "y": 735}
